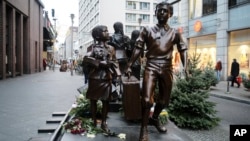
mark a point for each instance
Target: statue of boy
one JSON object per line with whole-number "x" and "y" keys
{"x": 159, "y": 41}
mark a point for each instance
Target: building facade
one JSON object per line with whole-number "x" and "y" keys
{"x": 217, "y": 29}
{"x": 21, "y": 37}
{"x": 132, "y": 14}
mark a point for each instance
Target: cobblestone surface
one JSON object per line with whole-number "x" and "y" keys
{"x": 215, "y": 134}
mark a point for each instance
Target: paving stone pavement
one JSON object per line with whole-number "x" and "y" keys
{"x": 221, "y": 132}
{"x": 28, "y": 101}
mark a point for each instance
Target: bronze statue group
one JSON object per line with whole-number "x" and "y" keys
{"x": 112, "y": 57}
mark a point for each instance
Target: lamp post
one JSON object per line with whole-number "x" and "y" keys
{"x": 53, "y": 63}
{"x": 72, "y": 16}
{"x": 139, "y": 21}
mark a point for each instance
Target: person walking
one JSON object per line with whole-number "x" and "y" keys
{"x": 218, "y": 69}
{"x": 235, "y": 70}
{"x": 160, "y": 40}
{"x": 44, "y": 64}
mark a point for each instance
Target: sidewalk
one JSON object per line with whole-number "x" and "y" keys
{"x": 233, "y": 93}
{"x": 28, "y": 101}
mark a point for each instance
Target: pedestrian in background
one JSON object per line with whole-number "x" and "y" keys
{"x": 218, "y": 69}
{"x": 44, "y": 64}
{"x": 235, "y": 70}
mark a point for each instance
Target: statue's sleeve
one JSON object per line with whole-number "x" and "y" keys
{"x": 181, "y": 45}
{"x": 115, "y": 65}
{"x": 140, "y": 41}
{"x": 90, "y": 59}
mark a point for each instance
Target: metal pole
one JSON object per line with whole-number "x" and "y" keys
{"x": 139, "y": 21}
{"x": 228, "y": 92}
{"x": 72, "y": 20}
{"x": 53, "y": 63}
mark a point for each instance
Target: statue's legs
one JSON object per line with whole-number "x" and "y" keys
{"x": 154, "y": 120}
{"x": 93, "y": 110}
{"x": 144, "y": 129}
{"x": 104, "y": 124}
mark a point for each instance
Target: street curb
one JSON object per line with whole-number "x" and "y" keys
{"x": 231, "y": 98}
{"x": 58, "y": 132}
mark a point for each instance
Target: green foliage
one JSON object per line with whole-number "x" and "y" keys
{"x": 246, "y": 83}
{"x": 82, "y": 107}
{"x": 209, "y": 77}
{"x": 245, "y": 80}
{"x": 206, "y": 75}
{"x": 189, "y": 107}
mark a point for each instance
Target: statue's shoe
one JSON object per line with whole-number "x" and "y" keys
{"x": 105, "y": 128}
{"x": 157, "y": 124}
{"x": 143, "y": 134}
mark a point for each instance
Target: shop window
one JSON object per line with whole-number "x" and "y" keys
{"x": 233, "y": 3}
{"x": 202, "y": 7}
{"x": 205, "y": 46}
{"x": 239, "y": 48}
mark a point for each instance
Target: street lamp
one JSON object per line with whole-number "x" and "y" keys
{"x": 54, "y": 44}
{"x": 139, "y": 21}
{"x": 72, "y": 16}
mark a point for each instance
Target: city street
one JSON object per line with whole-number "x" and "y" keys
{"x": 231, "y": 113}
{"x": 28, "y": 101}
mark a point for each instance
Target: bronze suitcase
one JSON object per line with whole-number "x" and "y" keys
{"x": 131, "y": 98}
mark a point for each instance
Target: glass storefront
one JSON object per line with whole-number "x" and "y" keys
{"x": 239, "y": 48}
{"x": 206, "y": 47}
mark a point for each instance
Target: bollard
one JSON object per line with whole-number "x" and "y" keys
{"x": 228, "y": 79}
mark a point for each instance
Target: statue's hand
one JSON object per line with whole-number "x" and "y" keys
{"x": 128, "y": 72}
{"x": 105, "y": 64}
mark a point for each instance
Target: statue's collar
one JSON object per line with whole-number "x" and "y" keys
{"x": 158, "y": 27}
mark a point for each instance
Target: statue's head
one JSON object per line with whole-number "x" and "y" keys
{"x": 118, "y": 27}
{"x": 100, "y": 33}
{"x": 163, "y": 12}
{"x": 135, "y": 34}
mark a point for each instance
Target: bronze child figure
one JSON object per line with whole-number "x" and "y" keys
{"x": 121, "y": 43}
{"x": 159, "y": 41}
{"x": 103, "y": 61}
